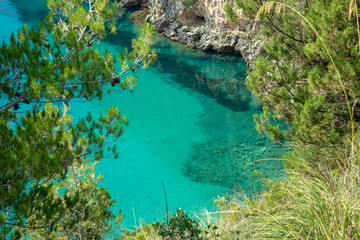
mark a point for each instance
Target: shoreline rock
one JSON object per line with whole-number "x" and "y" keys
{"x": 207, "y": 39}
{"x": 203, "y": 26}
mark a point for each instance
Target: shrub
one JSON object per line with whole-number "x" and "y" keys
{"x": 190, "y": 3}
{"x": 180, "y": 226}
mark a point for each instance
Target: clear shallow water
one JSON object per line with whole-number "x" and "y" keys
{"x": 184, "y": 129}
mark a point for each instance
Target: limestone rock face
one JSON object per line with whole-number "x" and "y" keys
{"x": 129, "y": 3}
{"x": 204, "y": 12}
{"x": 204, "y": 26}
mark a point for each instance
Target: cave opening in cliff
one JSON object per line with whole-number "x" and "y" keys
{"x": 199, "y": 20}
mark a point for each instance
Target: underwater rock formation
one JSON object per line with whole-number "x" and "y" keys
{"x": 232, "y": 163}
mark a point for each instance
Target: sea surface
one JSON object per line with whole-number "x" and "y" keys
{"x": 191, "y": 126}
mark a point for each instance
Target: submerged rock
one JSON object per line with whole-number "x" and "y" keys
{"x": 226, "y": 163}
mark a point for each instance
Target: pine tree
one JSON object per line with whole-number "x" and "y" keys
{"x": 48, "y": 186}
{"x": 309, "y": 74}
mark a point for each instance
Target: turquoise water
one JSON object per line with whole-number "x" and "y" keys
{"x": 191, "y": 126}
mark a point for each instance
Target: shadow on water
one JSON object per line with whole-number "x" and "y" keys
{"x": 230, "y": 92}
{"x": 125, "y": 30}
{"x": 30, "y": 12}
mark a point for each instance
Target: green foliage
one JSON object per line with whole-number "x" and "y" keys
{"x": 145, "y": 231}
{"x": 180, "y": 226}
{"x": 230, "y": 13}
{"x": 48, "y": 188}
{"x": 90, "y": 216}
{"x": 224, "y": 35}
{"x": 308, "y": 78}
{"x": 189, "y": 3}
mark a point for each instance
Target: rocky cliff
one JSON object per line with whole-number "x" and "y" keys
{"x": 201, "y": 24}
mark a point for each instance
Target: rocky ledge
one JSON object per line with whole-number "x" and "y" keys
{"x": 208, "y": 39}
{"x": 202, "y": 25}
